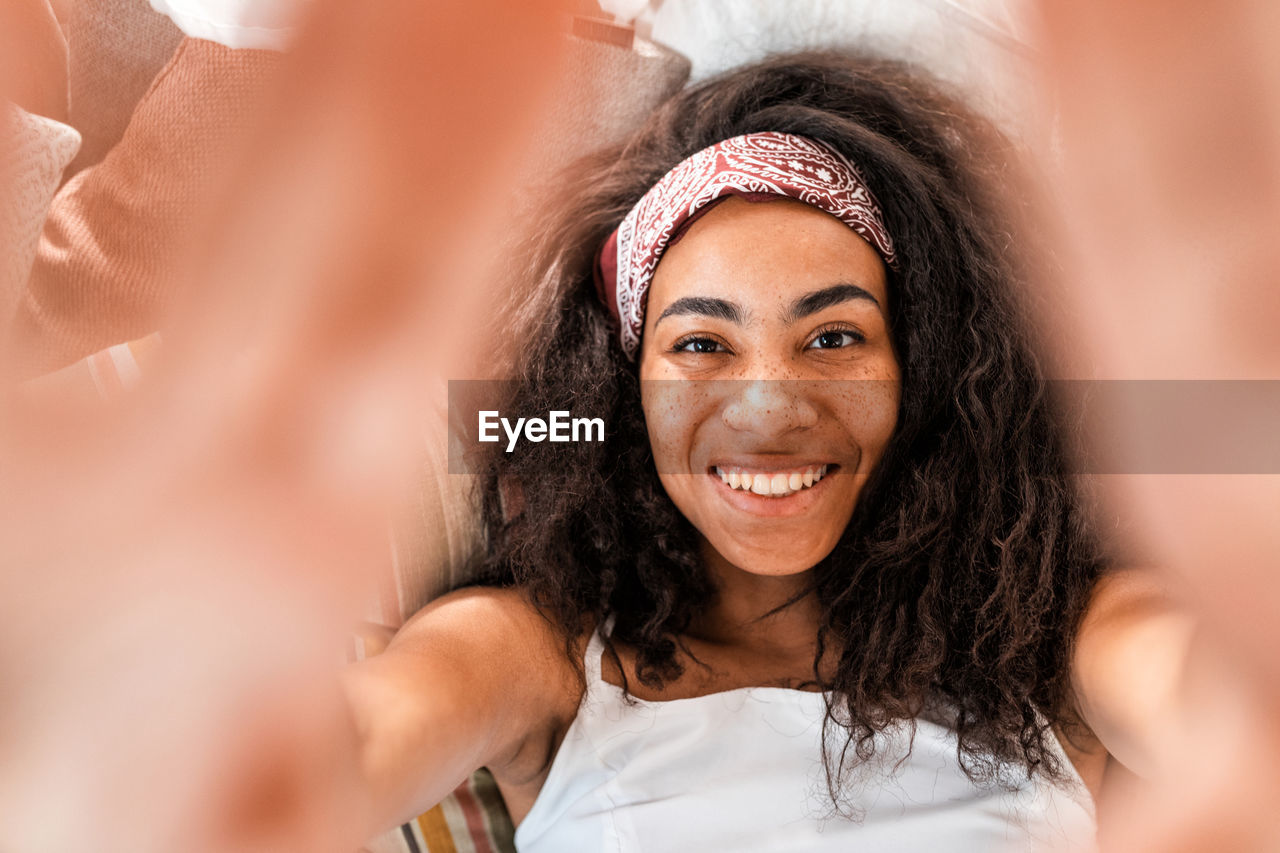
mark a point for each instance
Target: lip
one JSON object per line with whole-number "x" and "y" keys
{"x": 796, "y": 503}
{"x": 770, "y": 462}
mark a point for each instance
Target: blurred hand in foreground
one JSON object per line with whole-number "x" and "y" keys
{"x": 1170, "y": 184}
{"x": 180, "y": 568}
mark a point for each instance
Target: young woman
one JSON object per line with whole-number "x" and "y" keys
{"x": 824, "y": 583}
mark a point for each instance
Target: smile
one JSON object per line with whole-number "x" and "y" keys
{"x": 776, "y": 484}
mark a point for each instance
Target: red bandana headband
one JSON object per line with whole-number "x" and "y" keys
{"x": 757, "y": 166}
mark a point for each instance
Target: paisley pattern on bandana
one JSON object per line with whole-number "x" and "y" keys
{"x": 759, "y": 163}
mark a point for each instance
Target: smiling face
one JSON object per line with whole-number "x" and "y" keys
{"x": 769, "y": 381}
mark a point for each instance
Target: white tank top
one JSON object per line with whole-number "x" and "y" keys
{"x": 741, "y": 771}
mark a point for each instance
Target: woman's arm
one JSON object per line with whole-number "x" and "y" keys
{"x": 1130, "y": 665}
{"x": 476, "y": 679}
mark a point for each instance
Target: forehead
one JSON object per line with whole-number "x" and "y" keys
{"x": 759, "y": 252}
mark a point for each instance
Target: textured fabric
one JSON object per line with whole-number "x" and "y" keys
{"x": 741, "y": 770}
{"x": 103, "y": 270}
{"x": 239, "y": 24}
{"x": 36, "y": 151}
{"x": 603, "y": 92}
{"x": 768, "y": 164}
{"x": 115, "y": 48}
{"x": 472, "y": 819}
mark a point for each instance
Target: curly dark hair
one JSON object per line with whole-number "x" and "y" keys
{"x": 968, "y": 563}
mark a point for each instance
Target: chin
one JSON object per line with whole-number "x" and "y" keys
{"x": 770, "y": 562}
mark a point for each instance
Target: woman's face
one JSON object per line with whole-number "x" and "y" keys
{"x": 766, "y": 362}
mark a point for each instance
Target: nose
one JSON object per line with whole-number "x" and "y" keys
{"x": 769, "y": 407}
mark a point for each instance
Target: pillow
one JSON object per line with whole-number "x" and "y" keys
{"x": 102, "y": 271}
{"x": 982, "y": 47}
{"x": 36, "y": 151}
{"x": 115, "y": 49}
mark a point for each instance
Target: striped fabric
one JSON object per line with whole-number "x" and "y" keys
{"x": 473, "y": 819}
{"x": 114, "y": 370}
{"x": 106, "y": 375}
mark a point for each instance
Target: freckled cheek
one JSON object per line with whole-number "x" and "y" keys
{"x": 674, "y": 411}
{"x": 869, "y": 411}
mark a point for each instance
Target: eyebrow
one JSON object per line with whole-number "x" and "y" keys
{"x": 705, "y": 306}
{"x": 812, "y": 303}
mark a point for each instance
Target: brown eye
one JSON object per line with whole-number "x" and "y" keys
{"x": 836, "y": 339}
{"x": 698, "y": 345}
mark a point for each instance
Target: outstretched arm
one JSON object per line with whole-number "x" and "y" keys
{"x": 476, "y": 679}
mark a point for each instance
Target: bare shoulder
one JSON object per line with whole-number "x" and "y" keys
{"x": 512, "y": 652}
{"x": 500, "y": 635}
{"x": 1126, "y": 584}
{"x": 483, "y": 617}
{"x": 1128, "y": 661}
{"x": 1128, "y": 605}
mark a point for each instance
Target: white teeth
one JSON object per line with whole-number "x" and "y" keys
{"x": 778, "y": 484}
